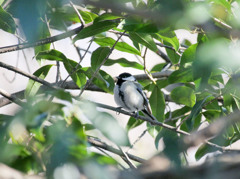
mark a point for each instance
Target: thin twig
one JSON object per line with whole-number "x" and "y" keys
{"x": 145, "y": 68}
{"x": 99, "y": 143}
{"x": 222, "y": 23}
{"x": 126, "y": 158}
{"x": 58, "y": 76}
{"x": 76, "y": 67}
{"x": 42, "y": 41}
{"x": 97, "y": 70}
{"x": 101, "y": 150}
{"x": 138, "y": 139}
{"x": 78, "y": 14}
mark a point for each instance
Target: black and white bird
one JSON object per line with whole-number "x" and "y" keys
{"x": 129, "y": 95}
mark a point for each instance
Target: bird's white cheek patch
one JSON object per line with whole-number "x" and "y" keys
{"x": 130, "y": 78}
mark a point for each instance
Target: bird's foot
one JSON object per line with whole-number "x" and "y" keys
{"x": 118, "y": 110}
{"x": 136, "y": 114}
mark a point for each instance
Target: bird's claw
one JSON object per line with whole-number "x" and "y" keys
{"x": 118, "y": 110}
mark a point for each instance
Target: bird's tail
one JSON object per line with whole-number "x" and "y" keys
{"x": 147, "y": 114}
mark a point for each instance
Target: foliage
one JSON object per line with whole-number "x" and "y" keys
{"x": 204, "y": 75}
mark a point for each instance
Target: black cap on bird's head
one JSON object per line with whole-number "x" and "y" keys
{"x": 125, "y": 77}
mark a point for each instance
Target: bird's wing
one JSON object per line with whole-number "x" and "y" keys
{"x": 146, "y": 102}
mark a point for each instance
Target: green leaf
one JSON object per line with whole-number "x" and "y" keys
{"x": 202, "y": 150}
{"x": 195, "y": 112}
{"x": 153, "y": 130}
{"x": 174, "y": 57}
{"x": 102, "y": 79}
{"x": 43, "y": 32}
{"x": 33, "y": 86}
{"x": 78, "y": 76}
{"x": 98, "y": 56}
{"x": 144, "y": 39}
{"x": 95, "y": 29}
{"x": 170, "y": 37}
{"x": 137, "y": 25}
{"x": 88, "y": 127}
{"x": 189, "y": 54}
{"x": 106, "y": 16}
{"x": 105, "y": 123}
{"x": 182, "y": 75}
{"x": 54, "y": 55}
{"x": 121, "y": 46}
{"x": 158, "y": 67}
{"x": 157, "y": 102}
{"x": 162, "y": 83}
{"x": 183, "y": 95}
{"x": 132, "y": 123}
{"x": 61, "y": 94}
{"x": 124, "y": 63}
{"x": 7, "y": 22}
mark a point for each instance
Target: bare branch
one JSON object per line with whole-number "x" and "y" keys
{"x": 72, "y": 86}
{"x": 17, "y": 70}
{"x": 97, "y": 70}
{"x": 100, "y": 144}
{"x": 214, "y": 129}
{"x": 43, "y": 41}
{"x": 11, "y": 98}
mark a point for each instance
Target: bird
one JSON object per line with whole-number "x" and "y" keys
{"x": 129, "y": 95}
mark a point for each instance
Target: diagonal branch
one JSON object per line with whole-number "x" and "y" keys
{"x": 214, "y": 129}
{"x": 17, "y": 70}
{"x": 43, "y": 41}
{"x": 97, "y": 143}
{"x": 101, "y": 64}
{"x": 10, "y": 97}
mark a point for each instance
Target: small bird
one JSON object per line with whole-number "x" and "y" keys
{"x": 129, "y": 95}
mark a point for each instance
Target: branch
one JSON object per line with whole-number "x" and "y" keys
{"x": 10, "y": 98}
{"x": 100, "y": 144}
{"x": 101, "y": 64}
{"x": 71, "y": 85}
{"x": 223, "y": 166}
{"x": 214, "y": 129}
{"x": 157, "y": 123}
{"x": 17, "y": 70}
{"x": 43, "y": 41}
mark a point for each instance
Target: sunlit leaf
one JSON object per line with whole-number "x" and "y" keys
{"x": 124, "y": 63}
{"x": 136, "y": 25}
{"x": 6, "y": 21}
{"x": 98, "y": 56}
{"x": 182, "y": 75}
{"x": 106, "y": 16}
{"x": 95, "y": 29}
{"x": 102, "y": 79}
{"x": 43, "y": 32}
{"x": 144, "y": 39}
{"x": 189, "y": 54}
{"x": 33, "y": 86}
{"x": 183, "y": 95}
{"x": 121, "y": 46}
{"x": 54, "y": 55}
{"x": 76, "y": 72}
{"x": 132, "y": 123}
{"x": 197, "y": 108}
{"x": 157, "y": 102}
